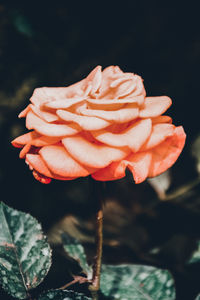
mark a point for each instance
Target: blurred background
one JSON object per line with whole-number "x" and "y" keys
{"x": 57, "y": 43}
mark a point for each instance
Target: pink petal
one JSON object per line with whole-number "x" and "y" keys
{"x": 92, "y": 155}
{"x": 155, "y": 106}
{"x": 133, "y": 137}
{"x": 24, "y": 112}
{"x": 119, "y": 116}
{"x": 45, "y": 115}
{"x": 159, "y": 133}
{"x": 44, "y": 128}
{"x": 63, "y": 103}
{"x": 138, "y": 164}
{"x": 61, "y": 163}
{"x": 24, "y": 139}
{"x": 166, "y": 154}
{"x": 161, "y": 119}
{"x": 86, "y": 123}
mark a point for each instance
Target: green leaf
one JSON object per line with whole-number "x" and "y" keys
{"x": 136, "y": 282}
{"x": 195, "y": 256}
{"x": 198, "y": 297}
{"x": 76, "y": 251}
{"x": 63, "y": 295}
{"x": 25, "y": 256}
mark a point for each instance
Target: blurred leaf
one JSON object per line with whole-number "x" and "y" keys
{"x": 76, "y": 251}
{"x": 136, "y": 282}
{"x": 196, "y": 255}
{"x": 25, "y": 256}
{"x": 161, "y": 184}
{"x": 198, "y": 297}
{"x": 63, "y": 295}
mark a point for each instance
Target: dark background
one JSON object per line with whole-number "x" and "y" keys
{"x": 58, "y": 43}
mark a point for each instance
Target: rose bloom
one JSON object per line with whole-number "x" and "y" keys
{"x": 99, "y": 126}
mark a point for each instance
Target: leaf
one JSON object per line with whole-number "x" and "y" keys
{"x": 195, "y": 256}
{"x": 25, "y": 255}
{"x": 76, "y": 251}
{"x": 198, "y": 297}
{"x": 136, "y": 282}
{"x": 63, "y": 295}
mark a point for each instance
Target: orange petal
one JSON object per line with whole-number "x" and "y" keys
{"x": 61, "y": 163}
{"x": 119, "y": 116}
{"x": 45, "y": 140}
{"x": 24, "y": 112}
{"x": 45, "y": 115}
{"x": 166, "y": 154}
{"x": 95, "y": 79}
{"x": 44, "y": 128}
{"x": 114, "y": 103}
{"x": 161, "y": 119}
{"x": 93, "y": 155}
{"x": 24, "y": 139}
{"x": 133, "y": 137}
{"x": 155, "y": 106}
{"x": 63, "y": 103}
{"x": 86, "y": 123}
{"x": 159, "y": 133}
{"x": 36, "y": 162}
{"x": 25, "y": 150}
{"x": 138, "y": 164}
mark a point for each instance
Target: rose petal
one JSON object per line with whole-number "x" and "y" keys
{"x": 155, "y": 106}
{"x": 159, "y": 133}
{"x": 44, "y": 115}
{"x": 95, "y": 79}
{"x": 138, "y": 164}
{"x": 36, "y": 162}
{"x": 120, "y": 116}
{"x": 161, "y": 119}
{"x": 25, "y": 150}
{"x": 86, "y": 123}
{"x": 24, "y": 139}
{"x": 24, "y": 112}
{"x": 44, "y": 128}
{"x": 63, "y": 103}
{"x": 165, "y": 154}
{"x": 60, "y": 162}
{"x": 92, "y": 155}
{"x": 133, "y": 137}
{"x": 45, "y": 140}
{"x": 115, "y": 103}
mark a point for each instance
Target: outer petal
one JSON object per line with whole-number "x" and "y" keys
{"x": 159, "y": 133}
{"x": 92, "y": 155}
{"x": 44, "y": 115}
{"x": 60, "y": 162}
{"x": 165, "y": 154}
{"x": 138, "y": 164}
{"x": 155, "y": 106}
{"x": 24, "y": 112}
{"x": 36, "y": 163}
{"x": 44, "y": 128}
{"x": 133, "y": 137}
{"x": 24, "y": 139}
{"x": 119, "y": 116}
{"x": 86, "y": 123}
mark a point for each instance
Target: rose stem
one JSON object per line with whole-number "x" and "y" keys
{"x": 98, "y": 191}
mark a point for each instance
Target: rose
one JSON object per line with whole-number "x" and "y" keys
{"x": 99, "y": 126}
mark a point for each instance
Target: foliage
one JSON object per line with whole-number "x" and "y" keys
{"x": 25, "y": 259}
{"x": 25, "y": 256}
